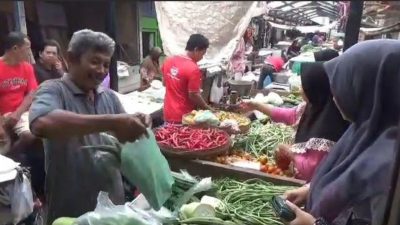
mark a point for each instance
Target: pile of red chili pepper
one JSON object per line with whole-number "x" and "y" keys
{"x": 189, "y": 138}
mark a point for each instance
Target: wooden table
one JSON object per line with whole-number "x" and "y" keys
{"x": 204, "y": 168}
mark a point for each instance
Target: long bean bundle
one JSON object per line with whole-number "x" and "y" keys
{"x": 249, "y": 202}
{"x": 263, "y": 139}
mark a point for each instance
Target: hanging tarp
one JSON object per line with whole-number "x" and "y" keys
{"x": 223, "y": 23}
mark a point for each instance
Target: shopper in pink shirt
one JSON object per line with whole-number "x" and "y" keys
{"x": 318, "y": 121}
{"x": 238, "y": 60}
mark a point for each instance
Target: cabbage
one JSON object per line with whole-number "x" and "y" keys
{"x": 214, "y": 202}
{"x": 197, "y": 209}
{"x": 64, "y": 221}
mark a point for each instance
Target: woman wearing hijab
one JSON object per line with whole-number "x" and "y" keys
{"x": 351, "y": 186}
{"x": 318, "y": 121}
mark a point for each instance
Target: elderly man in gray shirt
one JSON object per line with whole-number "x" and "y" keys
{"x": 70, "y": 113}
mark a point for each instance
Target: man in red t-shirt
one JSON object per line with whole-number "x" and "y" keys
{"x": 273, "y": 64}
{"x": 17, "y": 87}
{"x": 182, "y": 79}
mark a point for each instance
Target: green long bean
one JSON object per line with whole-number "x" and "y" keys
{"x": 264, "y": 139}
{"x": 249, "y": 202}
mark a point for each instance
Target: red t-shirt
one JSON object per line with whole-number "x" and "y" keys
{"x": 15, "y": 83}
{"x": 181, "y": 76}
{"x": 276, "y": 61}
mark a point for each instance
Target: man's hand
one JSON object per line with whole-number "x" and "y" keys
{"x": 145, "y": 119}
{"x": 58, "y": 65}
{"x": 297, "y": 196}
{"x": 302, "y": 218}
{"x": 11, "y": 119}
{"x": 129, "y": 128}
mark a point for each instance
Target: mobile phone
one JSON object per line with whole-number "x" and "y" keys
{"x": 282, "y": 210}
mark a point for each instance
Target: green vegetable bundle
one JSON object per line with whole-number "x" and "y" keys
{"x": 248, "y": 202}
{"x": 293, "y": 99}
{"x": 263, "y": 139}
{"x": 186, "y": 188}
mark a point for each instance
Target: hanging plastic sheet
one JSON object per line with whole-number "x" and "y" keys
{"x": 223, "y": 23}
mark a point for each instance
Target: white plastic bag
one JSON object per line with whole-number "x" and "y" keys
{"x": 295, "y": 83}
{"x": 21, "y": 198}
{"x": 106, "y": 213}
{"x": 206, "y": 116}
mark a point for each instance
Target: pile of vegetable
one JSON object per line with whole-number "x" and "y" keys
{"x": 191, "y": 139}
{"x": 200, "y": 117}
{"x": 266, "y": 165}
{"x": 234, "y": 157}
{"x": 293, "y": 99}
{"x": 214, "y": 119}
{"x": 187, "y": 189}
{"x": 240, "y": 119}
{"x": 248, "y": 202}
{"x": 231, "y": 202}
{"x": 192, "y": 201}
{"x": 264, "y": 139}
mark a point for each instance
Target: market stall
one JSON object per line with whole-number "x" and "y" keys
{"x": 194, "y": 200}
{"x": 149, "y": 101}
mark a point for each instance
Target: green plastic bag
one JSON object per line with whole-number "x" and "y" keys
{"x": 145, "y": 167}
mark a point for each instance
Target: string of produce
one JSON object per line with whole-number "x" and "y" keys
{"x": 248, "y": 202}
{"x": 189, "y": 138}
{"x": 263, "y": 139}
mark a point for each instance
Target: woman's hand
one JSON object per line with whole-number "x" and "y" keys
{"x": 297, "y": 196}
{"x": 283, "y": 156}
{"x": 248, "y": 106}
{"x": 302, "y": 218}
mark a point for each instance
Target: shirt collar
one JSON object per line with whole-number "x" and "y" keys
{"x": 75, "y": 89}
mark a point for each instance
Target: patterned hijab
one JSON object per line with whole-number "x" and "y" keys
{"x": 356, "y": 173}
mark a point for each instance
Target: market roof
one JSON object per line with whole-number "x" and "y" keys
{"x": 302, "y": 12}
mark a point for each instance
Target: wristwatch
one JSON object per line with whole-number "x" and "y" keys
{"x": 320, "y": 221}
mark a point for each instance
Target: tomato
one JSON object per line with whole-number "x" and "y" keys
{"x": 278, "y": 171}
{"x": 264, "y": 168}
{"x": 271, "y": 169}
{"x": 263, "y": 160}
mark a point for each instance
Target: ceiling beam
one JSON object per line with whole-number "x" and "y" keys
{"x": 292, "y": 14}
{"x": 329, "y": 6}
{"x": 329, "y": 10}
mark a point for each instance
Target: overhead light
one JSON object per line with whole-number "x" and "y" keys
{"x": 287, "y": 8}
{"x": 275, "y": 4}
{"x": 301, "y": 3}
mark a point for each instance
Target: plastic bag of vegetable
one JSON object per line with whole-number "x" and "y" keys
{"x": 106, "y": 213}
{"x": 206, "y": 116}
{"x": 274, "y": 99}
{"x": 145, "y": 167}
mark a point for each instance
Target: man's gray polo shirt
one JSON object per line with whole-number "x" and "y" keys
{"x": 74, "y": 176}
